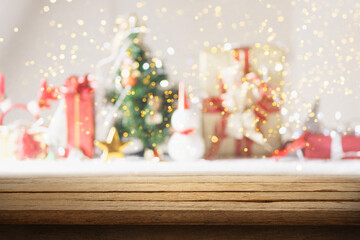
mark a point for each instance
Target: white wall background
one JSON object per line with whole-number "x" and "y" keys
{"x": 325, "y": 59}
{"x": 321, "y": 38}
{"x": 55, "y": 39}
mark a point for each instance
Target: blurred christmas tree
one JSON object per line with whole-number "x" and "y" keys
{"x": 148, "y": 104}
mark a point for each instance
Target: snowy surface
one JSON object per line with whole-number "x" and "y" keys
{"x": 137, "y": 165}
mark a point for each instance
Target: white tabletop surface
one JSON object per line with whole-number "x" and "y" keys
{"x": 137, "y": 165}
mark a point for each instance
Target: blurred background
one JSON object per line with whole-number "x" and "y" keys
{"x": 54, "y": 39}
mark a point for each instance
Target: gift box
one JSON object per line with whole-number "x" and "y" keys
{"x": 21, "y": 140}
{"x": 7, "y": 143}
{"x": 332, "y": 147}
{"x": 217, "y": 143}
{"x": 30, "y": 144}
{"x": 72, "y": 125}
{"x": 210, "y": 63}
{"x": 241, "y": 115}
{"x": 79, "y": 104}
{"x": 265, "y": 60}
{"x": 319, "y": 146}
{"x": 246, "y": 132}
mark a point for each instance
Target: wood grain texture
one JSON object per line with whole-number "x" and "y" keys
{"x": 186, "y": 196}
{"x": 78, "y": 232}
{"x": 181, "y": 200}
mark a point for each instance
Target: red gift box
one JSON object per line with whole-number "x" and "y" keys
{"x": 320, "y": 146}
{"x": 79, "y": 97}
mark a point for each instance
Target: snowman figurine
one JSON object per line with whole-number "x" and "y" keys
{"x": 185, "y": 144}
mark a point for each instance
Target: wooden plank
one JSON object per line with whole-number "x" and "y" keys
{"x": 249, "y": 200}
{"x": 88, "y": 205}
{"x": 180, "y": 183}
{"x": 150, "y": 187}
{"x": 56, "y": 232}
{"x": 180, "y": 179}
{"x": 181, "y": 217}
{"x": 165, "y": 186}
{"x": 185, "y": 196}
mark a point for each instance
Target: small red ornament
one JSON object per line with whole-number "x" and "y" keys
{"x": 129, "y": 81}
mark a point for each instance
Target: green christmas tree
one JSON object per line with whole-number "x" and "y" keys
{"x": 148, "y": 105}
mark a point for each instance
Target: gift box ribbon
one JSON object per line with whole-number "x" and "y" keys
{"x": 215, "y": 105}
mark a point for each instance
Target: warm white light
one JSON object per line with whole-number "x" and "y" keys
{"x": 125, "y": 73}
{"x": 170, "y": 51}
{"x": 284, "y": 111}
{"x": 294, "y": 94}
{"x": 146, "y": 66}
{"x": 164, "y": 83}
{"x": 279, "y": 67}
{"x": 158, "y": 63}
{"x": 282, "y": 130}
{"x": 227, "y": 46}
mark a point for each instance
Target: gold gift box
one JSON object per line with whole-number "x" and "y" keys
{"x": 7, "y": 142}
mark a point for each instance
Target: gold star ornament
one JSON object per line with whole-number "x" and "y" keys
{"x": 112, "y": 147}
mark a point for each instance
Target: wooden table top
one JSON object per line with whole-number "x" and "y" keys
{"x": 181, "y": 200}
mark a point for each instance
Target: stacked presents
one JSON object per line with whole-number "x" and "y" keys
{"x": 243, "y": 89}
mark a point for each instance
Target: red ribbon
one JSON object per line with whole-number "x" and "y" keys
{"x": 75, "y": 85}
{"x": 46, "y": 93}
{"x": 266, "y": 103}
{"x": 297, "y": 144}
{"x": 244, "y": 58}
{"x": 185, "y": 132}
{"x": 213, "y": 105}
{"x": 72, "y": 85}
{"x": 246, "y": 142}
